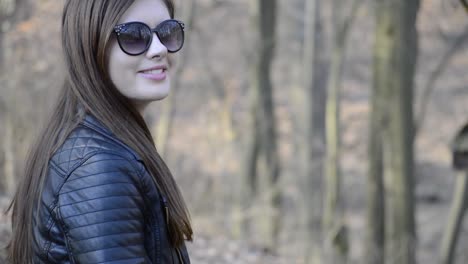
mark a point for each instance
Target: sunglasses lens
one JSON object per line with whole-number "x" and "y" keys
{"x": 134, "y": 38}
{"x": 171, "y": 35}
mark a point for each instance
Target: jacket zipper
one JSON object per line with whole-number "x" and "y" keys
{"x": 181, "y": 260}
{"x": 166, "y": 209}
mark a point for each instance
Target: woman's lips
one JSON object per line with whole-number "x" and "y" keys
{"x": 158, "y": 73}
{"x": 155, "y": 75}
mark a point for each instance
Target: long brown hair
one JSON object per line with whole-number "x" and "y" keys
{"x": 86, "y": 33}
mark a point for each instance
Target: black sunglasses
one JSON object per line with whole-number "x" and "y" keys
{"x": 135, "y": 38}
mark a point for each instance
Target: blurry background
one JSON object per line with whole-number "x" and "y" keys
{"x": 300, "y": 131}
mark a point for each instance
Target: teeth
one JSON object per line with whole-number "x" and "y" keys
{"x": 154, "y": 71}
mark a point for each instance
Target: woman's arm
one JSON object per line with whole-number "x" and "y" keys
{"x": 102, "y": 211}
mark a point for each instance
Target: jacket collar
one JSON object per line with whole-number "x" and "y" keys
{"x": 93, "y": 123}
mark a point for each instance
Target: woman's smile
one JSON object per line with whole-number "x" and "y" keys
{"x": 157, "y": 73}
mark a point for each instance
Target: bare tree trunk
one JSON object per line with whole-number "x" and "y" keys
{"x": 313, "y": 150}
{"x": 264, "y": 130}
{"x": 268, "y": 32}
{"x": 11, "y": 12}
{"x": 9, "y": 177}
{"x": 375, "y": 233}
{"x": 2, "y": 47}
{"x": 164, "y": 126}
{"x": 333, "y": 218}
{"x": 460, "y": 199}
{"x": 445, "y": 60}
{"x": 3, "y": 179}
{"x": 457, "y": 211}
{"x": 398, "y": 52}
{"x": 250, "y": 193}
{"x": 333, "y": 210}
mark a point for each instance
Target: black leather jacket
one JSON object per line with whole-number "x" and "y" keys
{"x": 100, "y": 205}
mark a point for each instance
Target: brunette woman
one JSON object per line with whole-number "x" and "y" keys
{"x": 95, "y": 189}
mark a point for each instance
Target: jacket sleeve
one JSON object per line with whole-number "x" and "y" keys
{"x": 102, "y": 211}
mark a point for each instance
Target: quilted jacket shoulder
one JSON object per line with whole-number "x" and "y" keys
{"x": 100, "y": 205}
{"x": 88, "y": 138}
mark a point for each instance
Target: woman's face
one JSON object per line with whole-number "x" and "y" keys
{"x": 143, "y": 78}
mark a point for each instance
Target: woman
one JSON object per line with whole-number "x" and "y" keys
{"x": 95, "y": 189}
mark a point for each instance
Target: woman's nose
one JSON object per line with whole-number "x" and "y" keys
{"x": 156, "y": 49}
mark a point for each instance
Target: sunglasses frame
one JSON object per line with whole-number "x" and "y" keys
{"x": 118, "y": 29}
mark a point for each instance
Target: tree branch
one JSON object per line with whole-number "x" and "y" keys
{"x": 435, "y": 74}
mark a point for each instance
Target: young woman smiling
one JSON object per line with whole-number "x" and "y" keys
{"x": 95, "y": 190}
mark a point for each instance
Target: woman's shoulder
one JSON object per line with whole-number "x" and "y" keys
{"x": 90, "y": 138}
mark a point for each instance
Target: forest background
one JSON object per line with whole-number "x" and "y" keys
{"x": 299, "y": 131}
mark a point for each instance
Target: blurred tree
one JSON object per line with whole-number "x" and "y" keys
{"x": 460, "y": 197}
{"x": 395, "y": 57}
{"x": 262, "y": 147}
{"x": 375, "y": 233}
{"x": 164, "y": 126}
{"x": 335, "y": 230}
{"x": 449, "y": 54}
{"x": 313, "y": 117}
{"x": 5, "y": 182}
{"x": 11, "y": 12}
{"x": 8, "y": 181}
